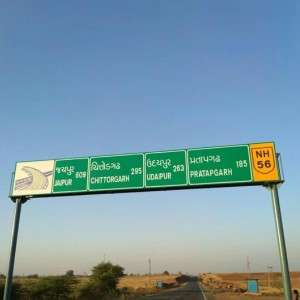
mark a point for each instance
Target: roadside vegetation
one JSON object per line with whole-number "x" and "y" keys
{"x": 106, "y": 282}
{"x": 102, "y": 284}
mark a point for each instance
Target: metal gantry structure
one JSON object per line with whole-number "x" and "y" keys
{"x": 260, "y": 168}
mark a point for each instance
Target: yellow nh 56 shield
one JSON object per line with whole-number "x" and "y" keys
{"x": 264, "y": 162}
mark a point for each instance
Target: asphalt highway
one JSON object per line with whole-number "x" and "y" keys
{"x": 189, "y": 291}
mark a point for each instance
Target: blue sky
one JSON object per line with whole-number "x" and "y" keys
{"x": 102, "y": 77}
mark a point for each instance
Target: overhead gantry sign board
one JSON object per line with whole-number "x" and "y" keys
{"x": 248, "y": 164}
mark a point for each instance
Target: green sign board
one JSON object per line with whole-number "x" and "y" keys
{"x": 70, "y": 175}
{"x": 217, "y": 166}
{"x": 166, "y": 169}
{"x": 116, "y": 172}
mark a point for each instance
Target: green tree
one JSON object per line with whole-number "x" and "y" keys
{"x": 70, "y": 273}
{"x": 107, "y": 275}
{"x": 103, "y": 282}
{"x": 90, "y": 291}
{"x": 56, "y": 287}
{"x": 33, "y": 276}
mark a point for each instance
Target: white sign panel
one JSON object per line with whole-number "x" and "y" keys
{"x": 33, "y": 178}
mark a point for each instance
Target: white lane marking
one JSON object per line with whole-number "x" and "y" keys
{"x": 204, "y": 297}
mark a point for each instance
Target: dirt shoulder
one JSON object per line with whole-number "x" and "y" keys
{"x": 231, "y": 286}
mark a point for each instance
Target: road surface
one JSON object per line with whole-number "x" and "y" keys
{"x": 189, "y": 291}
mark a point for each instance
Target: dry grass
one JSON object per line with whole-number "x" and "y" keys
{"x": 144, "y": 283}
{"x": 275, "y": 279}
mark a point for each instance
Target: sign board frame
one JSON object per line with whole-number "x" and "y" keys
{"x": 187, "y": 166}
{"x": 265, "y": 177}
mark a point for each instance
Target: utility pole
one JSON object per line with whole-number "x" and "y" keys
{"x": 286, "y": 280}
{"x": 248, "y": 267}
{"x": 149, "y": 262}
{"x": 9, "y": 276}
{"x": 270, "y": 269}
